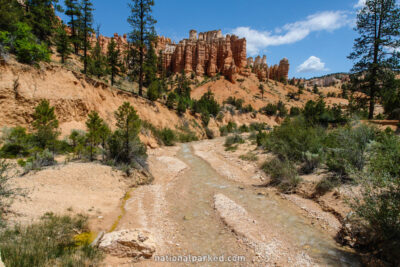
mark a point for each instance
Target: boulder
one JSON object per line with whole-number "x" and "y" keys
{"x": 132, "y": 243}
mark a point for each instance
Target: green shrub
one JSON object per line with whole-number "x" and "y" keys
{"x": 17, "y": 142}
{"x": 171, "y": 100}
{"x": 293, "y": 138}
{"x": 247, "y": 109}
{"x": 261, "y": 138}
{"x": 257, "y": 126}
{"x": 37, "y": 161}
{"x": 223, "y": 130}
{"x": 121, "y": 153}
{"x": 310, "y": 162}
{"x": 315, "y": 89}
{"x": 346, "y": 147}
{"x": 206, "y": 105}
{"x": 205, "y": 118}
{"x": 269, "y": 110}
{"x": 282, "y": 110}
{"x": 249, "y": 157}
{"x": 187, "y": 136}
{"x": 154, "y": 90}
{"x": 168, "y": 137}
{"x": 234, "y": 139}
{"x": 384, "y": 155}
{"x": 50, "y": 242}
{"x": 282, "y": 173}
{"x": 181, "y": 107}
{"x": 26, "y": 47}
{"x": 244, "y": 128}
{"x": 7, "y": 191}
{"x": 327, "y": 184}
{"x": 317, "y": 113}
{"x": 295, "y": 111}
{"x": 227, "y": 129}
{"x": 209, "y": 133}
{"x": 237, "y": 103}
{"x": 77, "y": 140}
{"x": 379, "y": 213}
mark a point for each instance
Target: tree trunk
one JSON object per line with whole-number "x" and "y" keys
{"x": 141, "y": 60}
{"x": 371, "y": 105}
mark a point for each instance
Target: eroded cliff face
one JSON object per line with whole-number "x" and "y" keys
{"x": 207, "y": 53}
{"x": 276, "y": 72}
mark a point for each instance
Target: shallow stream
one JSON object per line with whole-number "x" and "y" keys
{"x": 204, "y": 234}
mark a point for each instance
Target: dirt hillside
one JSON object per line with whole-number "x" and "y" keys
{"x": 247, "y": 88}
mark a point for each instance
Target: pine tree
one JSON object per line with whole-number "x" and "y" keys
{"x": 379, "y": 27}
{"x": 150, "y": 66}
{"x": 45, "y": 124}
{"x": 105, "y": 133}
{"x": 128, "y": 124}
{"x": 10, "y": 13}
{"x": 143, "y": 32}
{"x": 73, "y": 12}
{"x": 41, "y": 17}
{"x": 63, "y": 44}
{"x": 94, "y": 126}
{"x": 97, "y": 61}
{"x": 113, "y": 59}
{"x": 262, "y": 90}
{"x": 86, "y": 28}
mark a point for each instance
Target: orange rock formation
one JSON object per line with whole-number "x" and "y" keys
{"x": 276, "y": 72}
{"x": 207, "y": 53}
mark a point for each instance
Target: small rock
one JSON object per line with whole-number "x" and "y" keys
{"x": 187, "y": 218}
{"x": 134, "y": 243}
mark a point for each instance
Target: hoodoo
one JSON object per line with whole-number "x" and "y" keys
{"x": 204, "y": 53}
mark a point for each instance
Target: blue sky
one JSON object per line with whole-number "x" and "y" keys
{"x": 316, "y": 36}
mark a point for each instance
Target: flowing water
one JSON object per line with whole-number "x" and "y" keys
{"x": 204, "y": 234}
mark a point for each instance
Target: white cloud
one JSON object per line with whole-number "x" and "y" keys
{"x": 360, "y": 4}
{"x": 293, "y": 32}
{"x": 312, "y": 64}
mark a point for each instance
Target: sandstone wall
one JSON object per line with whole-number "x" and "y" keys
{"x": 263, "y": 72}
{"x": 206, "y": 53}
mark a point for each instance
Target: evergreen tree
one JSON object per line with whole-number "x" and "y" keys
{"x": 104, "y": 133}
{"x": 113, "y": 59}
{"x": 94, "y": 126}
{"x": 41, "y": 17}
{"x": 86, "y": 28}
{"x": 143, "y": 32}
{"x": 63, "y": 44}
{"x": 73, "y": 12}
{"x": 150, "y": 66}
{"x": 128, "y": 124}
{"x": 153, "y": 91}
{"x": 10, "y": 13}
{"x": 97, "y": 61}
{"x": 262, "y": 90}
{"x": 45, "y": 124}
{"x": 379, "y": 27}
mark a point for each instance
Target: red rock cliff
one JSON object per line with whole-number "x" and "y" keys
{"x": 207, "y": 53}
{"x": 276, "y": 72}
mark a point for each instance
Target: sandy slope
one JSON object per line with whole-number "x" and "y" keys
{"x": 74, "y": 96}
{"x": 86, "y": 188}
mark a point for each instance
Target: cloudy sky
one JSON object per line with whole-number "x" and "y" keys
{"x": 316, "y": 36}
